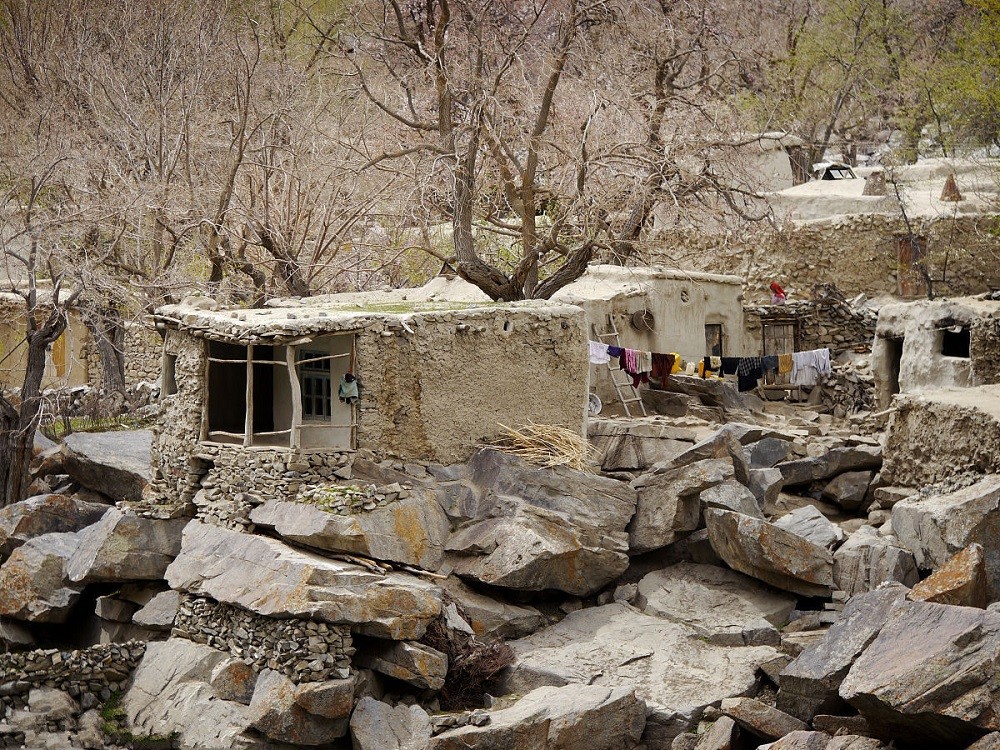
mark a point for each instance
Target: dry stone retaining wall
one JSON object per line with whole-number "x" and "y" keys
{"x": 302, "y": 650}
{"x": 97, "y": 670}
{"x": 833, "y": 325}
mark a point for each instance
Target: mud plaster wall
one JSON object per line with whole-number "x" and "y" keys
{"x": 922, "y": 366}
{"x": 835, "y": 325}
{"x": 929, "y": 442}
{"x": 442, "y": 391}
{"x": 858, "y": 253}
{"x": 71, "y": 349}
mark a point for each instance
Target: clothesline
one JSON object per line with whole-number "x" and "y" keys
{"x": 806, "y": 368}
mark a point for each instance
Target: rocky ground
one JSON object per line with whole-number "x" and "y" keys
{"x": 729, "y": 577}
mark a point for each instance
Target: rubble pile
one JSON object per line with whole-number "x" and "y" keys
{"x": 749, "y": 584}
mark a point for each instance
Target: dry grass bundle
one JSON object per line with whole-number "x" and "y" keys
{"x": 546, "y": 445}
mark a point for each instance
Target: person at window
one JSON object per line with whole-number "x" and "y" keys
{"x": 778, "y": 295}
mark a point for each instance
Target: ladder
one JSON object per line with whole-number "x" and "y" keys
{"x": 621, "y": 381}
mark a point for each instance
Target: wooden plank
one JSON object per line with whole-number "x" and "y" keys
{"x": 248, "y": 424}
{"x": 293, "y": 381}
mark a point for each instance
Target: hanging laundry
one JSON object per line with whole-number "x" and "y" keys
{"x": 716, "y": 363}
{"x": 598, "y": 353}
{"x": 784, "y": 364}
{"x": 348, "y": 389}
{"x": 809, "y": 367}
{"x": 748, "y": 372}
{"x": 730, "y": 365}
{"x": 631, "y": 365}
{"x": 663, "y": 365}
{"x": 644, "y": 361}
{"x": 770, "y": 363}
{"x": 615, "y": 351}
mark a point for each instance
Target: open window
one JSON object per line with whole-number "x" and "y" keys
{"x": 956, "y": 342}
{"x": 281, "y": 396}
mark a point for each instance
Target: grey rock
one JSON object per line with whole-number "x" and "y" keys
{"x": 676, "y": 673}
{"x": 854, "y": 742}
{"x": 723, "y": 445}
{"x": 14, "y": 637}
{"x": 596, "y": 717}
{"x": 44, "y": 514}
{"x": 411, "y": 530}
{"x": 721, "y": 736}
{"x": 414, "y": 663}
{"x": 810, "y": 684}
{"x": 668, "y": 502}
{"x": 801, "y": 740}
{"x": 769, "y": 553}
{"x": 766, "y": 485}
{"x": 52, "y": 704}
{"x": 930, "y": 676}
{"x": 849, "y": 489}
{"x": 160, "y": 612}
{"x": 115, "y": 464}
{"x": 990, "y": 742}
{"x": 809, "y": 523}
{"x": 233, "y": 680}
{"x": 720, "y": 605}
{"x": 760, "y": 719}
{"x": 961, "y": 581}
{"x": 765, "y": 453}
{"x": 731, "y": 495}
{"x": 90, "y": 731}
{"x": 628, "y": 445}
{"x": 33, "y": 580}
{"x": 830, "y": 464}
{"x": 313, "y": 713}
{"x": 490, "y": 617}
{"x": 268, "y": 577}
{"x": 939, "y": 527}
{"x": 867, "y": 560}
{"x": 536, "y": 529}
{"x": 170, "y": 692}
{"x": 125, "y": 547}
{"x": 379, "y": 726}
{"x": 114, "y": 609}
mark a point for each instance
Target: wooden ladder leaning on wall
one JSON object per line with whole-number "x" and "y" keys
{"x": 619, "y": 379}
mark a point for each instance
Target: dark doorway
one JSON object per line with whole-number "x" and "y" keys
{"x": 956, "y": 343}
{"x": 894, "y": 352}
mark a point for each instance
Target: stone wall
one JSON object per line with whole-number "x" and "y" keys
{"x": 985, "y": 349}
{"x": 143, "y": 347}
{"x": 858, "y": 253}
{"x": 302, "y": 650}
{"x": 96, "y": 671}
{"x": 937, "y": 436}
{"x": 832, "y": 324}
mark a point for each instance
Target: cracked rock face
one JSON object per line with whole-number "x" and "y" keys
{"x": 270, "y": 578}
{"x": 669, "y": 667}
{"x": 34, "y": 585}
{"x": 125, "y": 547}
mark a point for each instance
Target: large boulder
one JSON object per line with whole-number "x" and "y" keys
{"x": 633, "y": 445}
{"x": 44, "y": 514}
{"x": 270, "y": 578}
{"x": 33, "y": 581}
{"x": 596, "y": 717}
{"x": 830, "y": 464}
{"x": 673, "y": 670}
{"x": 379, "y": 726}
{"x": 314, "y": 713}
{"x": 931, "y": 677}
{"x": 769, "y": 553}
{"x": 809, "y": 523}
{"x": 849, "y": 490}
{"x": 867, "y": 560}
{"x": 414, "y": 663}
{"x": 731, "y": 495}
{"x": 761, "y": 719}
{"x": 125, "y": 547}
{"x": 170, "y": 692}
{"x": 810, "y": 684}
{"x": 720, "y": 605}
{"x": 490, "y": 617}
{"x": 411, "y": 530}
{"x": 962, "y": 581}
{"x": 936, "y": 528}
{"x": 116, "y": 464}
{"x": 536, "y": 529}
{"x": 669, "y": 504}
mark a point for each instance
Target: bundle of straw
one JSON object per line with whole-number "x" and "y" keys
{"x": 546, "y": 445}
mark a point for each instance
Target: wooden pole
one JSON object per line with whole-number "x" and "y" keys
{"x": 293, "y": 381}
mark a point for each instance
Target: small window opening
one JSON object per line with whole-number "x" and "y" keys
{"x": 168, "y": 377}
{"x": 317, "y": 384}
{"x": 956, "y": 342}
{"x": 894, "y": 355}
{"x": 713, "y": 340}
{"x": 508, "y": 326}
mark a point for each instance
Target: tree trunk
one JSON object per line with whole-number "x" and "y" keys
{"x": 108, "y": 333}
{"x": 18, "y": 425}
